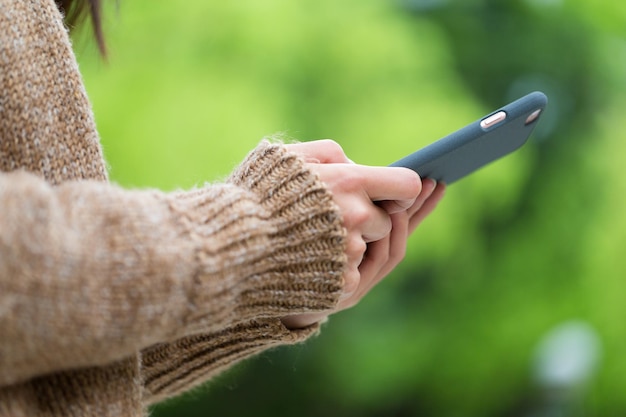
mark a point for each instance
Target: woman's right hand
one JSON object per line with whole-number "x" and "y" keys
{"x": 380, "y": 207}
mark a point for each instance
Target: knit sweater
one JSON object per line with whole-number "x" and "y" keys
{"x": 114, "y": 299}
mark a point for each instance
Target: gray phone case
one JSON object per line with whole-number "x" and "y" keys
{"x": 474, "y": 146}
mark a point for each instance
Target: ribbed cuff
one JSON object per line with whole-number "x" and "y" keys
{"x": 170, "y": 369}
{"x": 305, "y": 268}
{"x": 270, "y": 243}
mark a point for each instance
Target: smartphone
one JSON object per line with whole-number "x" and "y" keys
{"x": 498, "y": 134}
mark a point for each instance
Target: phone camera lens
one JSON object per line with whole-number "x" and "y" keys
{"x": 533, "y": 116}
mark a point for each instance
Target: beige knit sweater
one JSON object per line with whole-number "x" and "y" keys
{"x": 112, "y": 299}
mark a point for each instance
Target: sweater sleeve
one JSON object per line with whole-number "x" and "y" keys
{"x": 172, "y": 368}
{"x": 91, "y": 273}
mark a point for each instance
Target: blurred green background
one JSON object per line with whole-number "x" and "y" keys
{"x": 511, "y": 299}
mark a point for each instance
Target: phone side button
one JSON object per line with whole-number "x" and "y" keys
{"x": 493, "y": 120}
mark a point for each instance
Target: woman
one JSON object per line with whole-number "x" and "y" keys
{"x": 113, "y": 299}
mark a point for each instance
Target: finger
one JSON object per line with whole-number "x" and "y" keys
{"x": 368, "y": 272}
{"x": 428, "y": 206}
{"x": 401, "y": 185}
{"x": 395, "y": 206}
{"x": 398, "y": 241}
{"x": 382, "y": 256}
{"x": 389, "y": 254}
{"x": 352, "y": 280}
{"x": 375, "y": 258}
{"x": 362, "y": 216}
{"x": 374, "y": 223}
{"x": 355, "y": 251}
{"x": 373, "y": 265}
{"x": 325, "y": 151}
{"x": 428, "y": 186}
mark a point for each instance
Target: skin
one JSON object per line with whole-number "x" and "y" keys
{"x": 380, "y": 206}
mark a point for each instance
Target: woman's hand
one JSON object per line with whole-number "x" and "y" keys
{"x": 380, "y": 206}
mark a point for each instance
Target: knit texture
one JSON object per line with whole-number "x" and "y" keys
{"x": 114, "y": 299}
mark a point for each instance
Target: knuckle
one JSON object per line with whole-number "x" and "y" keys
{"x": 388, "y": 226}
{"x": 356, "y": 247}
{"x": 333, "y": 150}
{"x": 351, "y": 281}
{"x": 379, "y": 229}
{"x": 360, "y": 215}
{"x": 349, "y": 179}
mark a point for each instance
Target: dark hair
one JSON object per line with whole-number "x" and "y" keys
{"x": 75, "y": 11}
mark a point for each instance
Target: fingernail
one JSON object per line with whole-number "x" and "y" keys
{"x": 432, "y": 181}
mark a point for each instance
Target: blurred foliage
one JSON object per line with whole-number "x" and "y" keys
{"x": 515, "y": 251}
